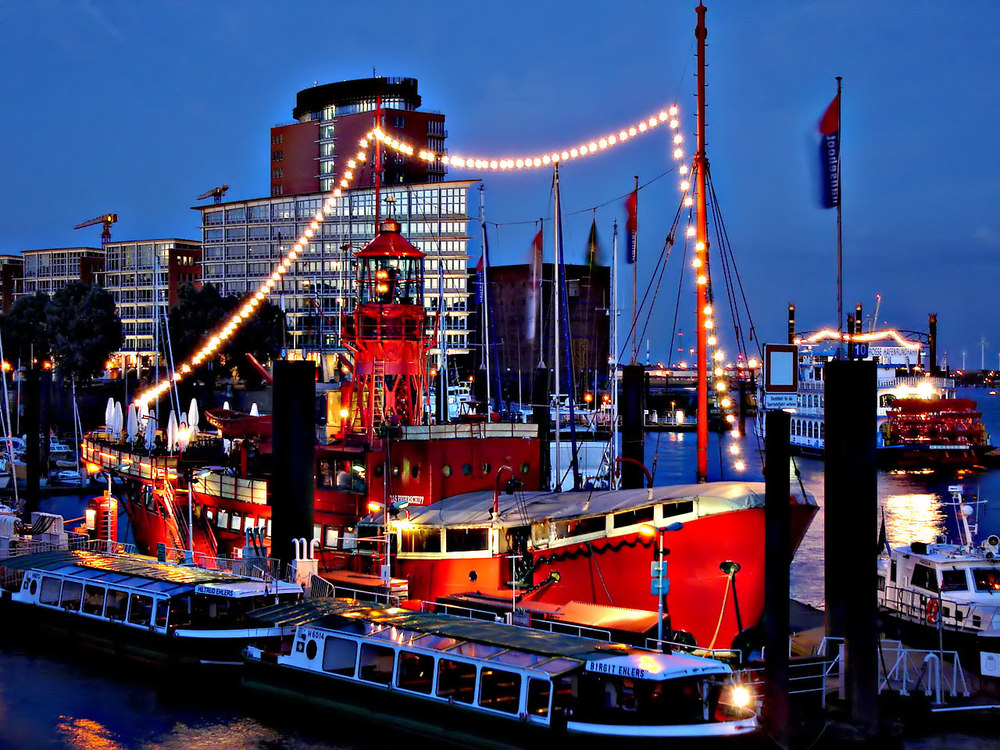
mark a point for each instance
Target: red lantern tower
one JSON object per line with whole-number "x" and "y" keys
{"x": 387, "y": 334}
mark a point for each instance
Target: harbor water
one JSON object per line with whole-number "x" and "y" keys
{"x": 49, "y": 701}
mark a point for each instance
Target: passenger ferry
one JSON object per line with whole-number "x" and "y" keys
{"x": 137, "y": 607}
{"x": 946, "y": 594}
{"x": 920, "y": 422}
{"x": 462, "y": 680}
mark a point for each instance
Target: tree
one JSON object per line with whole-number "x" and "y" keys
{"x": 201, "y": 312}
{"x": 84, "y": 329}
{"x": 25, "y": 330}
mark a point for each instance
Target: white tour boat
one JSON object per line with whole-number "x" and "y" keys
{"x": 462, "y": 680}
{"x": 945, "y": 595}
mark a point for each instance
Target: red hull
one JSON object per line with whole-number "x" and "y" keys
{"x": 616, "y": 571}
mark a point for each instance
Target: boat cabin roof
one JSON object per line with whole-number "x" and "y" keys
{"x": 949, "y": 554}
{"x": 555, "y": 653}
{"x": 137, "y": 571}
{"x": 476, "y": 508}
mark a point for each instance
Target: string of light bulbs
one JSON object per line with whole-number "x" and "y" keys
{"x": 592, "y": 146}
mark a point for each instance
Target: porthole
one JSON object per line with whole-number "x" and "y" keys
{"x": 446, "y": 470}
{"x": 525, "y": 468}
{"x": 467, "y": 469}
{"x": 311, "y": 650}
{"x": 414, "y": 471}
{"x": 487, "y": 468}
{"x": 378, "y": 470}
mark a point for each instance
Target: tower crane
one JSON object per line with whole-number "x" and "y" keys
{"x": 216, "y": 192}
{"x": 104, "y": 219}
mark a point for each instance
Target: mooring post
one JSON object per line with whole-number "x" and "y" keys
{"x": 633, "y": 437}
{"x": 290, "y": 493}
{"x": 777, "y": 559}
{"x": 851, "y": 530}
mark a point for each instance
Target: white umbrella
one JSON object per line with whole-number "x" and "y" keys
{"x": 132, "y": 423}
{"x": 254, "y": 411}
{"x": 143, "y": 410}
{"x": 150, "y": 432}
{"x": 172, "y": 431}
{"x": 118, "y": 422}
{"x": 183, "y": 435}
{"x": 192, "y": 416}
{"x": 225, "y": 405}
{"x": 109, "y": 413}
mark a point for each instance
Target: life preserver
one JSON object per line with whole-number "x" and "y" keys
{"x": 932, "y": 611}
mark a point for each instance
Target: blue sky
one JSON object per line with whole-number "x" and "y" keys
{"x": 137, "y": 107}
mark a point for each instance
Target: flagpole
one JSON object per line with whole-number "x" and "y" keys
{"x": 701, "y": 258}
{"x": 840, "y": 246}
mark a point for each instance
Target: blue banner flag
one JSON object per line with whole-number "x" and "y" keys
{"x": 829, "y": 154}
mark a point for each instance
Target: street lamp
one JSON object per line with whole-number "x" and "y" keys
{"x": 648, "y": 529}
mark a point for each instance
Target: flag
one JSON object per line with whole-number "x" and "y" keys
{"x": 479, "y": 282}
{"x": 829, "y": 154}
{"x": 592, "y": 254}
{"x": 632, "y": 225}
{"x": 534, "y": 285}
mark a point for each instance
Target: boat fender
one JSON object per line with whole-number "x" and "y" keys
{"x": 932, "y": 611}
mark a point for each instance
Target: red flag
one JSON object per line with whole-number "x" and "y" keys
{"x": 632, "y": 225}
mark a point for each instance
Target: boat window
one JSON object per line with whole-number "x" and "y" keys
{"x": 440, "y": 642}
{"x": 339, "y": 655}
{"x": 519, "y": 658}
{"x": 376, "y": 663}
{"x": 954, "y": 580}
{"x": 677, "y": 509}
{"x": 467, "y": 540}
{"x": 476, "y": 650}
{"x": 116, "y": 604}
{"x": 180, "y": 612}
{"x": 235, "y": 522}
{"x": 209, "y": 514}
{"x": 421, "y": 540}
{"x": 162, "y": 607}
{"x": 579, "y": 527}
{"x": 555, "y": 666}
{"x": 140, "y": 609}
{"x": 924, "y": 578}
{"x": 71, "y": 592}
{"x": 456, "y": 680}
{"x": 416, "y": 671}
{"x": 223, "y": 519}
{"x": 93, "y": 600}
{"x": 633, "y": 517}
{"x": 50, "y": 591}
{"x": 330, "y": 534}
{"x": 538, "y": 697}
{"x": 987, "y": 579}
{"x": 499, "y": 690}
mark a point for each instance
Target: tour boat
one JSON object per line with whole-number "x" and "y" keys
{"x": 137, "y": 607}
{"x": 464, "y": 681}
{"x": 945, "y": 594}
{"x": 920, "y": 422}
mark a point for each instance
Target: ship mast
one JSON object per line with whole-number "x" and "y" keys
{"x": 701, "y": 253}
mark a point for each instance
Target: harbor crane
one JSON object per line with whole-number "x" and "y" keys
{"x": 104, "y": 219}
{"x": 216, "y": 192}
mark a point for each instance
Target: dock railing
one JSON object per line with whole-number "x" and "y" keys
{"x": 322, "y": 588}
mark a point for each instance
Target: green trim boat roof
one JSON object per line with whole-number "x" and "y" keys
{"x": 340, "y": 614}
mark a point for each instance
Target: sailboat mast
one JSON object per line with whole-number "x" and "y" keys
{"x": 701, "y": 254}
{"x": 555, "y": 335}
{"x": 486, "y": 306}
{"x": 840, "y": 245}
{"x": 615, "y": 434}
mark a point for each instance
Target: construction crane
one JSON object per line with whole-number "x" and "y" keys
{"x": 106, "y": 220}
{"x": 216, "y": 192}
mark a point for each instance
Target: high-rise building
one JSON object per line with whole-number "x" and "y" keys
{"x": 310, "y": 155}
{"x": 51, "y": 269}
{"x": 243, "y": 241}
{"x": 144, "y": 277}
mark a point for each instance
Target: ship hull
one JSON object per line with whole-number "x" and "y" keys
{"x": 615, "y": 571}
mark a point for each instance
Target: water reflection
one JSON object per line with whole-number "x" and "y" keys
{"x": 913, "y": 517}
